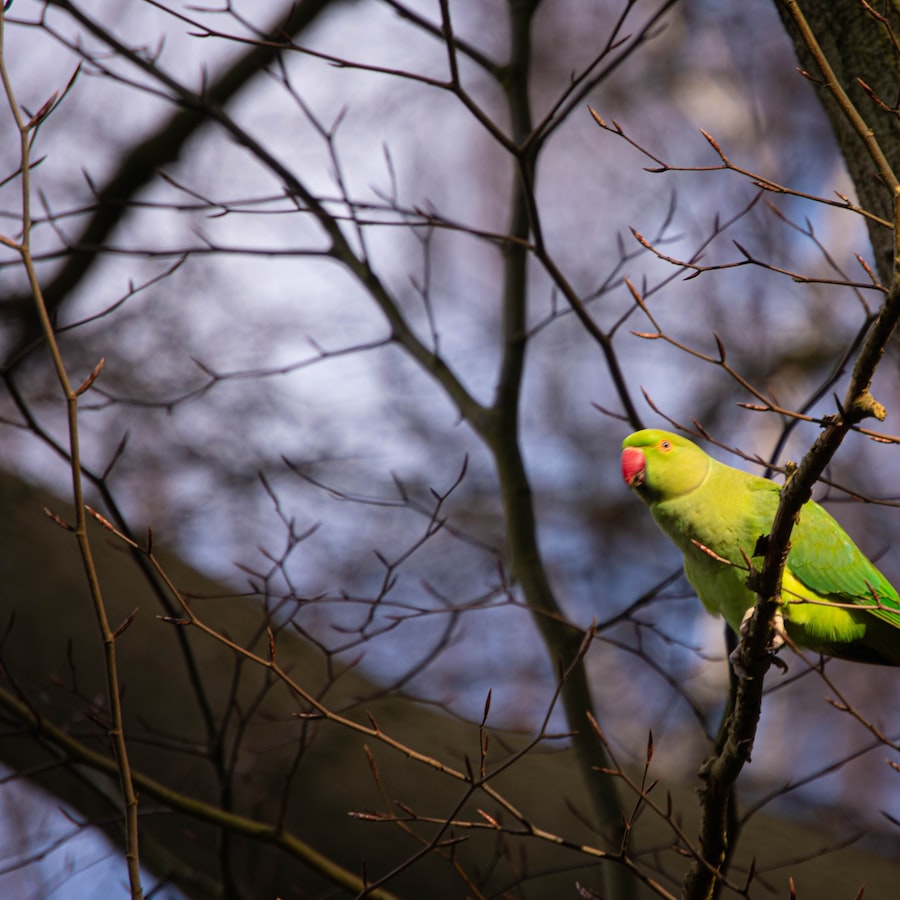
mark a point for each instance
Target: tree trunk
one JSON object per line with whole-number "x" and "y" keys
{"x": 860, "y": 50}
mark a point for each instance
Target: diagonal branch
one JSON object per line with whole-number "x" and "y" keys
{"x": 139, "y": 166}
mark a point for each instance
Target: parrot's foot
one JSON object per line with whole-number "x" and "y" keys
{"x": 776, "y": 642}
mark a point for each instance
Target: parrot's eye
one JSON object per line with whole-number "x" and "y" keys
{"x": 665, "y": 446}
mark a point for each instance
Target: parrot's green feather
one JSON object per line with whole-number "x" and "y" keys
{"x": 834, "y": 600}
{"x": 825, "y": 560}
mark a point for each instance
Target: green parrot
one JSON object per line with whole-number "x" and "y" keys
{"x": 833, "y": 600}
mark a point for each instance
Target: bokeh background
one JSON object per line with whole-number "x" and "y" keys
{"x": 251, "y": 390}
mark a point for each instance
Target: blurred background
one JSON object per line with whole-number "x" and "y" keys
{"x": 255, "y": 413}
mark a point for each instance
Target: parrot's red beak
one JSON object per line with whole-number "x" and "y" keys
{"x": 634, "y": 466}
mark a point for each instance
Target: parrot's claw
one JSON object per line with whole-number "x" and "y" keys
{"x": 775, "y": 643}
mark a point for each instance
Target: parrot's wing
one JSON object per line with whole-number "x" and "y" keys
{"x": 825, "y": 560}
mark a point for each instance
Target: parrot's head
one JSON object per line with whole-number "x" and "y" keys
{"x": 660, "y": 465}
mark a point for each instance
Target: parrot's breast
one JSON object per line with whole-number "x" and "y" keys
{"x": 718, "y": 527}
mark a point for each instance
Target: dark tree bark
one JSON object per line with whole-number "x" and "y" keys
{"x": 859, "y": 48}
